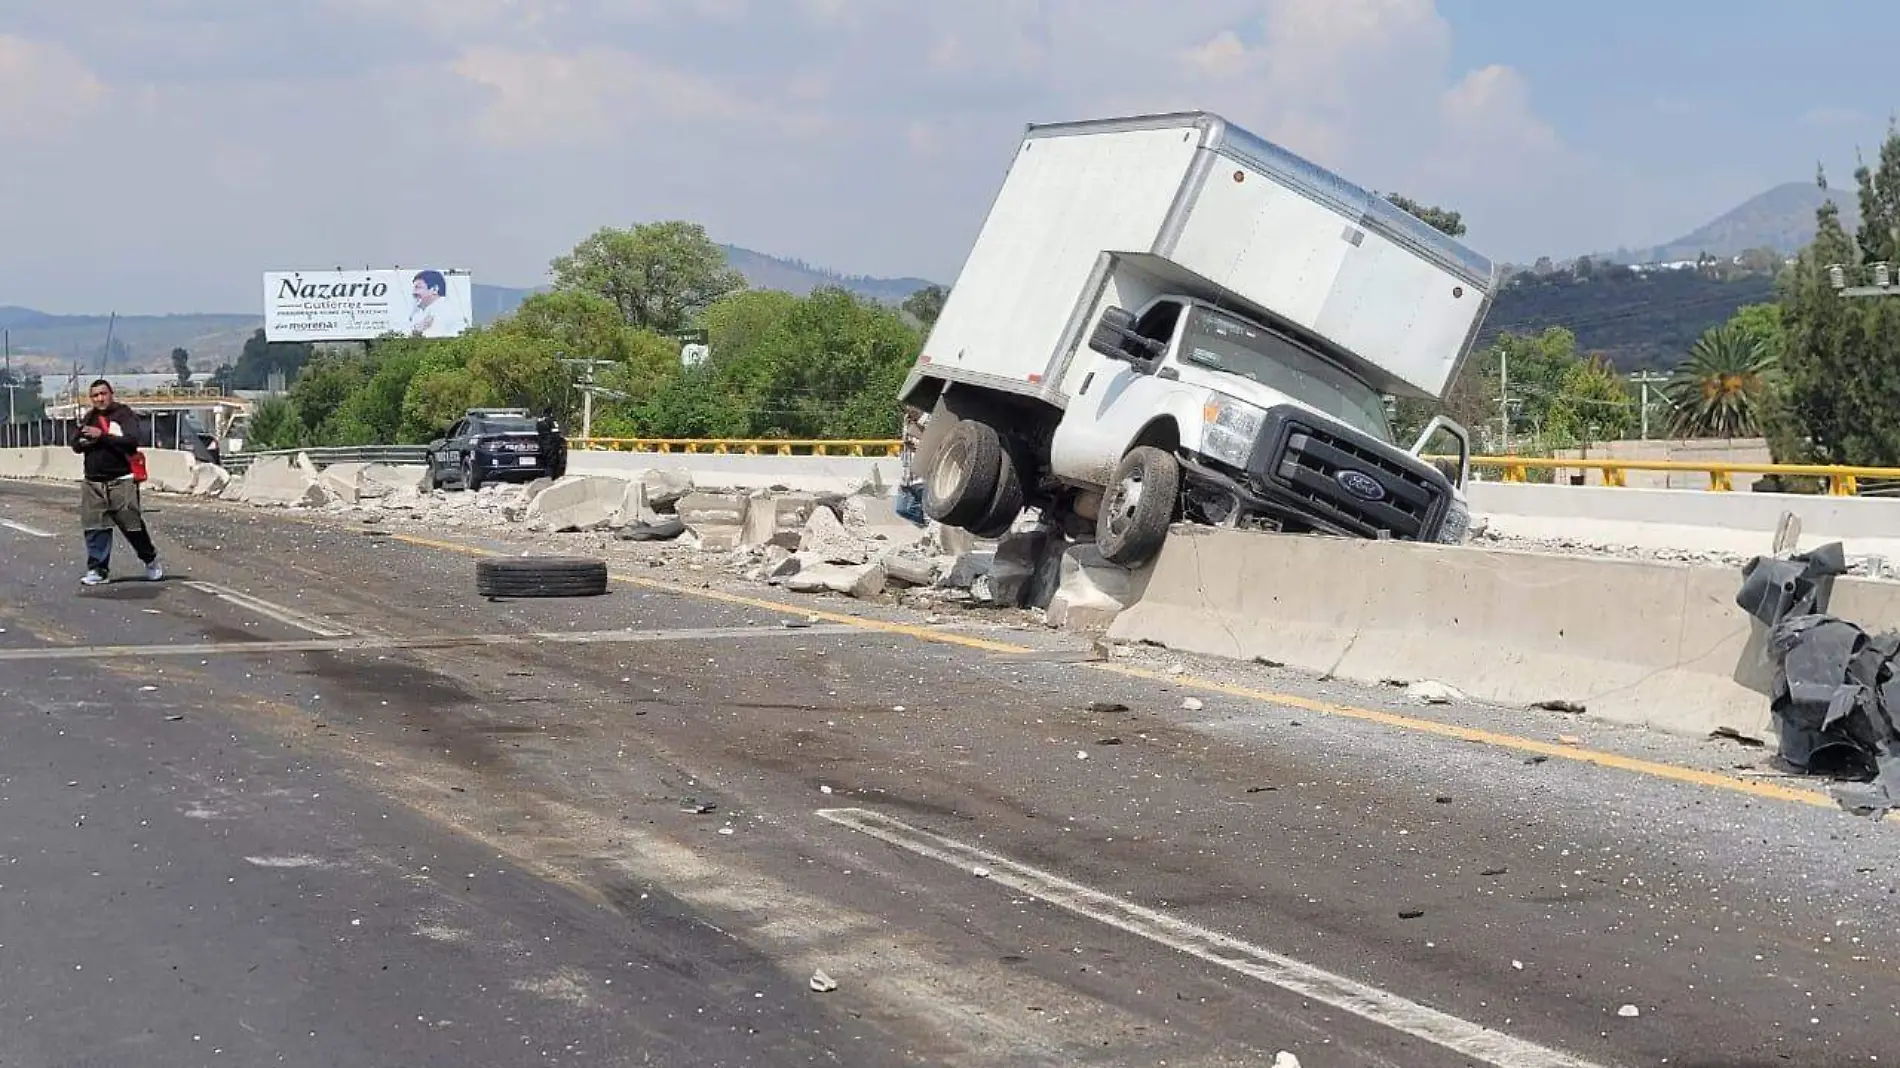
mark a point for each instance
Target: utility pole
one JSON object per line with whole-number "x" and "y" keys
{"x": 588, "y": 389}
{"x": 1504, "y": 399}
{"x": 1643, "y": 380}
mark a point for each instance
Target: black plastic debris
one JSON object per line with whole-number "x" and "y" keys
{"x": 1837, "y": 689}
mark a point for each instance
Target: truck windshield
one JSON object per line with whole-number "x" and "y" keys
{"x": 1223, "y": 343}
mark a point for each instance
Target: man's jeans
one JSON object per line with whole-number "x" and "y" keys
{"x": 104, "y": 506}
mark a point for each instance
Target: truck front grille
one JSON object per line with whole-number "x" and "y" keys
{"x": 1347, "y": 480}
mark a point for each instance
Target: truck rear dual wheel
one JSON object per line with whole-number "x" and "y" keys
{"x": 964, "y": 479}
{"x": 1140, "y": 503}
{"x": 976, "y": 483}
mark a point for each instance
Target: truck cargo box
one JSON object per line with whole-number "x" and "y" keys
{"x": 1394, "y": 300}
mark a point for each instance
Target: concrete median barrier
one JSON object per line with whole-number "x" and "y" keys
{"x": 1661, "y": 645}
{"x": 1733, "y": 522}
{"x": 738, "y": 471}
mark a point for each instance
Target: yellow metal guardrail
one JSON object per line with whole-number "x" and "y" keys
{"x": 745, "y": 446}
{"x": 1841, "y": 481}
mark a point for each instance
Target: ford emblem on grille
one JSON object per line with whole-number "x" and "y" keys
{"x": 1360, "y": 484}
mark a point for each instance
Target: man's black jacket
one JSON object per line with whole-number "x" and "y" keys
{"x": 109, "y": 458}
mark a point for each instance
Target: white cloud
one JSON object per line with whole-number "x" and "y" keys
{"x": 43, "y": 88}
{"x": 868, "y": 135}
{"x": 550, "y": 98}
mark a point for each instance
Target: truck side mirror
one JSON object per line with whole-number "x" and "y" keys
{"x": 1115, "y": 337}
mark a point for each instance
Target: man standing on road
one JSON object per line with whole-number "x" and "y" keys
{"x": 108, "y": 438}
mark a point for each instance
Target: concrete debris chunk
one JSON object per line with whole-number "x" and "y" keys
{"x": 863, "y": 581}
{"x": 822, "y": 983}
{"x": 825, "y": 538}
{"x": 665, "y": 486}
{"x": 1090, "y": 591}
{"x": 1433, "y": 693}
{"x": 576, "y": 503}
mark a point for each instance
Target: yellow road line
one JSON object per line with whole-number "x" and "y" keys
{"x": 1671, "y": 772}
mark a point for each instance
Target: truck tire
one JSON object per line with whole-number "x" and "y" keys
{"x": 963, "y": 482}
{"x": 1006, "y": 504}
{"x": 540, "y": 576}
{"x": 1138, "y": 506}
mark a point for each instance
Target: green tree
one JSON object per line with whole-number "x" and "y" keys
{"x": 1718, "y": 391}
{"x": 1444, "y": 221}
{"x": 1837, "y": 398}
{"x": 1592, "y": 404}
{"x": 273, "y": 425}
{"x": 181, "y": 366}
{"x": 260, "y": 357}
{"x": 659, "y": 275}
{"x": 326, "y": 384}
{"x": 926, "y": 305}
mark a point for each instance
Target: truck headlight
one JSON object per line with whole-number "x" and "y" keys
{"x": 1230, "y": 429}
{"x": 1457, "y": 524}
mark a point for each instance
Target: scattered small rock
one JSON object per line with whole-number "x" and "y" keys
{"x": 1193, "y": 704}
{"x": 1108, "y": 706}
{"x": 1411, "y": 914}
{"x": 1109, "y": 741}
{"x": 1629, "y": 1011}
{"x": 1283, "y": 1059}
{"x": 1570, "y": 708}
{"x": 822, "y": 983}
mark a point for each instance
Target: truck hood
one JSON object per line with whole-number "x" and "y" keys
{"x": 1246, "y": 389}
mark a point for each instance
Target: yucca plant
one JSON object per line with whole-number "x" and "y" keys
{"x": 1718, "y": 391}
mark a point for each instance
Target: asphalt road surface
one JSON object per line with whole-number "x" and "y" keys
{"x": 309, "y": 801}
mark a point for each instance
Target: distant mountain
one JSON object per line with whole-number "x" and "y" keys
{"x": 1781, "y": 219}
{"x": 53, "y": 343}
{"x": 797, "y": 277}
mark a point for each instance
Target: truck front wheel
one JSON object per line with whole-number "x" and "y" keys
{"x": 964, "y": 479}
{"x": 1138, "y": 506}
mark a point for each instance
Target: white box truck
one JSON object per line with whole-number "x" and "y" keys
{"x": 1166, "y": 318}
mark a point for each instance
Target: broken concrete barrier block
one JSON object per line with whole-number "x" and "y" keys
{"x": 1091, "y": 591}
{"x": 948, "y": 541}
{"x": 632, "y": 509}
{"x": 381, "y": 480}
{"x": 665, "y": 486}
{"x": 720, "y": 539}
{"x": 343, "y": 482}
{"x": 863, "y": 581}
{"x": 826, "y": 538}
{"x": 577, "y": 502}
{"x": 912, "y": 570}
{"x": 277, "y": 481}
{"x": 968, "y": 567}
{"x": 209, "y": 480}
{"x": 768, "y": 518}
{"x": 710, "y": 509}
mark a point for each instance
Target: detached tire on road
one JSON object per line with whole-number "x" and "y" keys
{"x": 962, "y": 484}
{"x": 1138, "y": 507}
{"x": 540, "y": 576}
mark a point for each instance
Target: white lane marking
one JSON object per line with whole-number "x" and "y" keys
{"x": 438, "y": 641}
{"x": 31, "y": 532}
{"x": 287, "y": 616}
{"x": 1348, "y": 995}
{"x": 286, "y": 862}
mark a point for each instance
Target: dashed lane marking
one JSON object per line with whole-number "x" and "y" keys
{"x": 290, "y": 617}
{"x": 438, "y": 641}
{"x": 1363, "y": 1000}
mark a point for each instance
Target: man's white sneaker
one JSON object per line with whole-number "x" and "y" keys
{"x": 92, "y": 578}
{"x": 154, "y": 571}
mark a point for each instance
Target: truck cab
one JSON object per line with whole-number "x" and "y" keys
{"x": 1267, "y": 430}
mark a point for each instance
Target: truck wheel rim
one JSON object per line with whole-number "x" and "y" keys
{"x": 1123, "y": 503}
{"x": 947, "y": 480}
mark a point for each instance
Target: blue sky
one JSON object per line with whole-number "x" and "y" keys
{"x": 159, "y": 156}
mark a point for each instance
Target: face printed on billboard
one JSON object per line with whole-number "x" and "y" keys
{"x": 361, "y": 305}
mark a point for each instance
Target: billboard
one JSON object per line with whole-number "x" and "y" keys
{"x": 360, "y": 305}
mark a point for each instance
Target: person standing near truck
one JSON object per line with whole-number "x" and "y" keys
{"x": 108, "y": 438}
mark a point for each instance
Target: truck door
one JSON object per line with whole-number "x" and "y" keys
{"x": 1112, "y": 404}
